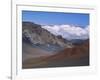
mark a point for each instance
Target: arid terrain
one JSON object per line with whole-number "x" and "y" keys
{"x": 41, "y": 49}
{"x": 76, "y": 56}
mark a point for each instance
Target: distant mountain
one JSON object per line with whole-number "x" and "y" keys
{"x": 78, "y": 41}
{"x": 39, "y": 37}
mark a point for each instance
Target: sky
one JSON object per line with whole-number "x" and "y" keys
{"x": 56, "y": 18}
{"x": 68, "y": 25}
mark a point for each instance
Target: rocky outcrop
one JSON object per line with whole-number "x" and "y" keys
{"x": 35, "y": 34}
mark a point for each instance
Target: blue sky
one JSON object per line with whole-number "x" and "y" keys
{"x": 56, "y": 18}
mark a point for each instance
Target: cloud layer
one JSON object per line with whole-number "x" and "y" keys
{"x": 68, "y": 31}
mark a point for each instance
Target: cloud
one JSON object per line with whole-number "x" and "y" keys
{"x": 68, "y": 31}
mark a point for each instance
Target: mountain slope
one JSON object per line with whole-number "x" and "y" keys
{"x": 36, "y": 35}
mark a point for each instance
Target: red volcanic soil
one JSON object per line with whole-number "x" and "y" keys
{"x": 77, "y": 51}
{"x": 75, "y": 56}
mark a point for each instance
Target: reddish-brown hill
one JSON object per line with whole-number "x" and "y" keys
{"x": 72, "y": 53}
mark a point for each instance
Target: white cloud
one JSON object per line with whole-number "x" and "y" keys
{"x": 68, "y": 31}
